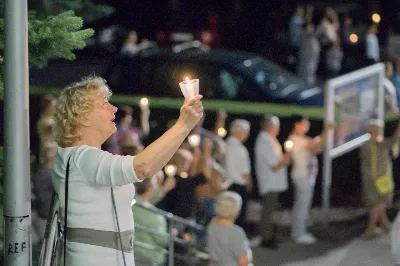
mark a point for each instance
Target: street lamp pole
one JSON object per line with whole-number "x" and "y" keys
{"x": 17, "y": 202}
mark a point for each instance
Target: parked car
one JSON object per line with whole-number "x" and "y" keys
{"x": 226, "y": 75}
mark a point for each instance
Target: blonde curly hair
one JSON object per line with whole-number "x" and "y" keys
{"x": 74, "y": 102}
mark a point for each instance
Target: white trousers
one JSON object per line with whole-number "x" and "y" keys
{"x": 303, "y": 196}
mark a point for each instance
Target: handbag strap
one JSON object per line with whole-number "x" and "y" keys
{"x": 66, "y": 209}
{"x": 119, "y": 230}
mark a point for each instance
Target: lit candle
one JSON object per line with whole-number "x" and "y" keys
{"x": 189, "y": 88}
{"x": 222, "y": 132}
{"x": 194, "y": 140}
{"x": 288, "y": 145}
{"x": 184, "y": 175}
{"x": 144, "y": 102}
{"x": 170, "y": 170}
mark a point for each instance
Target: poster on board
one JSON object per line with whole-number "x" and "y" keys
{"x": 353, "y": 99}
{"x": 350, "y": 100}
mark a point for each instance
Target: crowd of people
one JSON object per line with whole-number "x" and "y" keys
{"x": 211, "y": 183}
{"x": 212, "y": 180}
{"x": 323, "y": 49}
{"x": 212, "y": 177}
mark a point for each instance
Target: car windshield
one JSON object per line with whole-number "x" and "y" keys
{"x": 270, "y": 76}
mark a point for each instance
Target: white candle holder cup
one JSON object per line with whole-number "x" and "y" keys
{"x": 144, "y": 102}
{"x": 189, "y": 88}
{"x": 288, "y": 145}
{"x": 194, "y": 140}
{"x": 170, "y": 170}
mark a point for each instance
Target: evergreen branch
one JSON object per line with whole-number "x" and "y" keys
{"x": 50, "y": 38}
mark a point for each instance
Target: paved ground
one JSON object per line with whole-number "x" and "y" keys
{"x": 358, "y": 251}
{"x": 339, "y": 245}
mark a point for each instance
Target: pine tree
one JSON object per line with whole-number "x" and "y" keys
{"x": 53, "y": 37}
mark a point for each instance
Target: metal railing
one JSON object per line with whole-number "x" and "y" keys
{"x": 172, "y": 235}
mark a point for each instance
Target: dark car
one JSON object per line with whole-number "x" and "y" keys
{"x": 225, "y": 75}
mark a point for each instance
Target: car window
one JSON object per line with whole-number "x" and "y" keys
{"x": 227, "y": 84}
{"x": 271, "y": 77}
{"x": 236, "y": 86}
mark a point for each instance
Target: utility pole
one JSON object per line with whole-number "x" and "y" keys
{"x": 17, "y": 202}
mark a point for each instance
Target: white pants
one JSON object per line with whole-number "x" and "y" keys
{"x": 303, "y": 195}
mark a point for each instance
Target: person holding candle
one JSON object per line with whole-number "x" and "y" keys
{"x": 271, "y": 171}
{"x": 376, "y": 167}
{"x": 237, "y": 164}
{"x": 127, "y": 135}
{"x": 100, "y": 227}
{"x": 181, "y": 200}
{"x": 304, "y": 173}
{"x": 163, "y": 185}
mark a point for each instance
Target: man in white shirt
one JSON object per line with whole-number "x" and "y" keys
{"x": 237, "y": 164}
{"x": 271, "y": 171}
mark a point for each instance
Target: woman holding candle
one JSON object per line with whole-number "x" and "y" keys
{"x": 100, "y": 227}
{"x": 304, "y": 173}
{"x": 376, "y": 164}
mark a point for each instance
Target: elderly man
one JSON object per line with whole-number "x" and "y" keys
{"x": 237, "y": 164}
{"x": 271, "y": 171}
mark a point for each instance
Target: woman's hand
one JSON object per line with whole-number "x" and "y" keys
{"x": 191, "y": 112}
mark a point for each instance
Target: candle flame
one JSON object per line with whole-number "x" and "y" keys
{"x": 144, "y": 101}
{"x": 376, "y": 18}
{"x": 170, "y": 170}
{"x": 222, "y": 132}
{"x": 184, "y": 175}
{"x": 187, "y": 79}
{"x": 194, "y": 140}
{"x": 288, "y": 146}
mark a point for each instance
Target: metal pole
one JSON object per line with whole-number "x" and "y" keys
{"x": 171, "y": 249}
{"x": 17, "y": 202}
{"x": 326, "y": 186}
{"x": 329, "y": 143}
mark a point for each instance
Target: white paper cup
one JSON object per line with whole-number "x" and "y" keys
{"x": 189, "y": 89}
